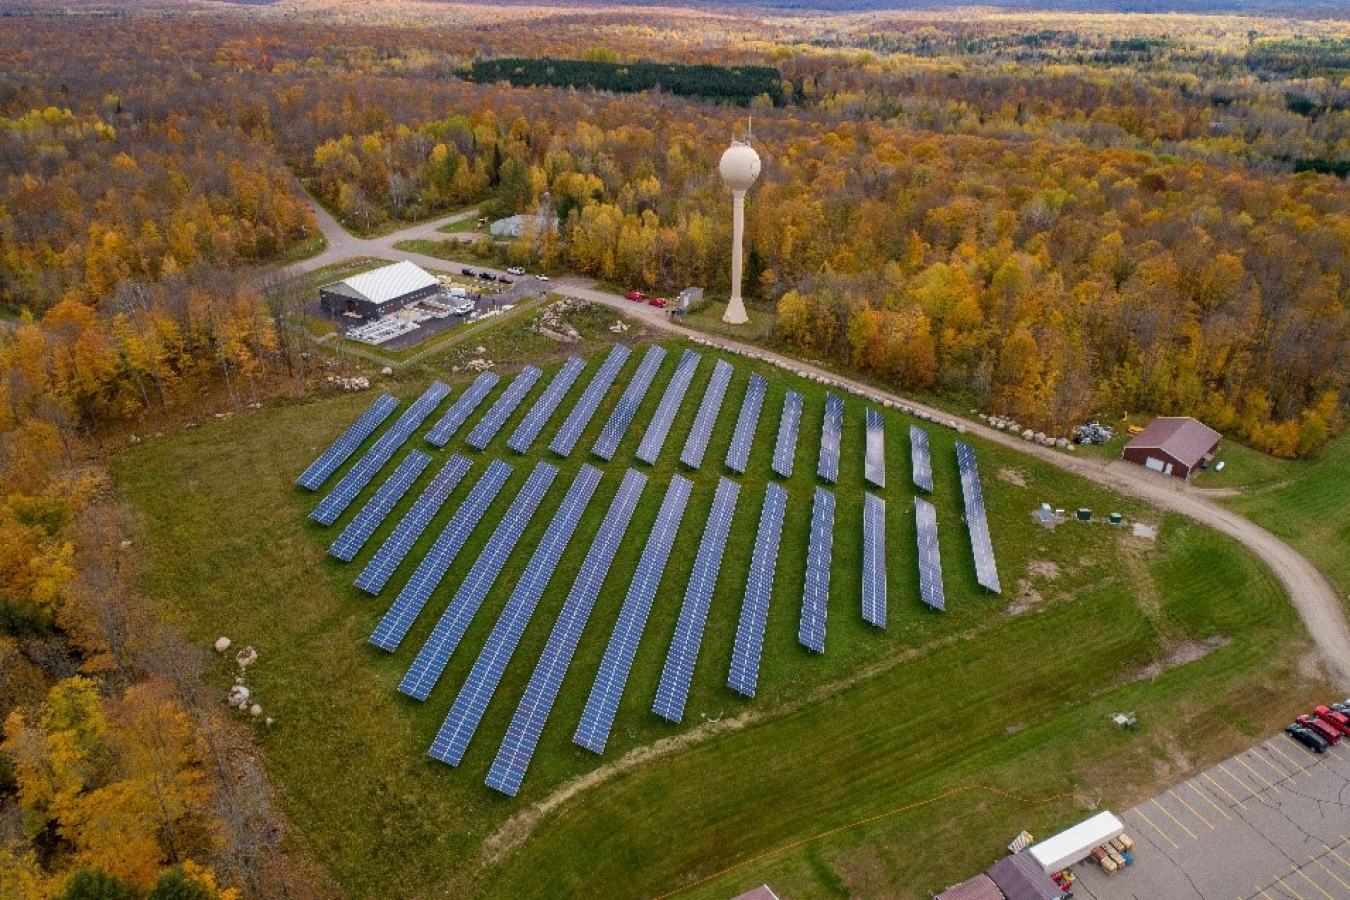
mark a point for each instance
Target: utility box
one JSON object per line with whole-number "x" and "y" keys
{"x": 1084, "y": 515}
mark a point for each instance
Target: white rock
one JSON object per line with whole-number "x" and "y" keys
{"x": 255, "y": 710}
{"x": 1028, "y": 434}
{"x": 246, "y": 657}
{"x": 387, "y": 371}
{"x": 223, "y": 644}
{"x": 238, "y": 695}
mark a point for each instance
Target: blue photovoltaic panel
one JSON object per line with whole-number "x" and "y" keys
{"x": 697, "y": 443}
{"x": 399, "y": 618}
{"x": 816, "y": 588}
{"x": 678, "y": 672}
{"x": 581, "y": 414}
{"x": 380, "y": 452}
{"x": 459, "y": 411}
{"x": 459, "y": 726}
{"x": 930, "y": 561}
{"x": 355, "y": 535}
{"x": 522, "y": 736}
{"x": 831, "y": 434}
{"x": 785, "y": 450}
{"x": 918, "y": 454}
{"x": 657, "y": 429}
{"x": 449, "y": 631}
{"x": 342, "y": 449}
{"x": 874, "y": 561}
{"x": 490, "y": 424}
{"x": 546, "y": 405}
{"x": 738, "y": 454}
{"x": 377, "y": 572}
{"x": 607, "y": 444}
{"x": 875, "y": 464}
{"x": 744, "y": 674}
{"x": 977, "y": 520}
{"x": 598, "y": 717}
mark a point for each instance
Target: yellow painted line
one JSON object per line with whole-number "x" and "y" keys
{"x": 1225, "y": 790}
{"x": 1173, "y": 818}
{"x": 1177, "y": 797}
{"x": 1242, "y": 762}
{"x": 1295, "y": 764}
{"x": 1203, "y": 796}
{"x": 1166, "y": 836}
{"x": 1244, "y": 785}
{"x": 1338, "y": 878}
{"x": 1280, "y": 882}
{"x": 1282, "y": 773}
{"x": 1313, "y": 883}
{"x": 1263, "y": 892}
{"x": 1338, "y": 856}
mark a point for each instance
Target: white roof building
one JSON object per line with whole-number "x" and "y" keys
{"x": 380, "y": 286}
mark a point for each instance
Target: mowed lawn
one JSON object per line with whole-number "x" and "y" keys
{"x": 936, "y": 702}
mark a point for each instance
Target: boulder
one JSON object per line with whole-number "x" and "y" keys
{"x": 223, "y": 644}
{"x": 246, "y": 657}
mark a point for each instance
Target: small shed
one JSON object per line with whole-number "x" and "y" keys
{"x": 981, "y": 887}
{"x": 1020, "y": 877}
{"x": 1071, "y": 846}
{"x": 1173, "y": 445}
{"x": 515, "y": 226}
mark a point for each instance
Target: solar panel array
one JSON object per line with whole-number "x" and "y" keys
{"x": 544, "y": 407}
{"x": 473, "y": 589}
{"x": 874, "y": 561}
{"x": 359, "y": 530}
{"x": 874, "y": 469}
{"x": 785, "y": 450}
{"x": 347, "y": 443}
{"x": 581, "y": 414}
{"x": 930, "y": 561}
{"x": 455, "y": 733}
{"x": 607, "y": 444}
{"x": 977, "y": 520}
{"x": 522, "y": 736}
{"x": 399, "y": 618}
{"x": 738, "y": 454}
{"x": 816, "y": 587}
{"x": 831, "y": 435}
{"x": 395, "y": 547}
{"x": 678, "y": 671}
{"x": 332, "y": 506}
{"x": 664, "y": 417}
{"x": 598, "y": 717}
{"x": 744, "y": 673}
{"x": 459, "y": 411}
{"x": 697, "y": 443}
{"x": 496, "y": 417}
{"x": 920, "y": 458}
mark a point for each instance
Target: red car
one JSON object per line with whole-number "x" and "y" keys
{"x": 1313, "y": 723}
{"x": 1338, "y": 720}
{"x": 635, "y": 295}
{"x": 657, "y": 301}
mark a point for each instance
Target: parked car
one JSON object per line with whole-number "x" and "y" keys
{"x": 657, "y": 301}
{"x": 635, "y": 295}
{"x": 463, "y": 309}
{"x": 487, "y": 276}
{"x": 1312, "y": 723}
{"x": 542, "y": 277}
{"x": 1305, "y": 737}
{"x": 469, "y": 272}
{"x": 1336, "y": 719}
{"x": 504, "y": 280}
{"x": 515, "y": 270}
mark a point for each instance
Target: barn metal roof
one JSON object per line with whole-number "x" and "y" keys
{"x": 981, "y": 887}
{"x": 1019, "y": 877}
{"x": 388, "y": 283}
{"x": 1185, "y": 439}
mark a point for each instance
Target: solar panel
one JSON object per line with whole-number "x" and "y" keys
{"x": 608, "y": 442}
{"x": 347, "y": 443}
{"x": 977, "y": 519}
{"x": 785, "y": 450}
{"x": 546, "y": 405}
{"x": 920, "y": 459}
{"x": 496, "y": 417}
{"x": 581, "y": 414}
{"x": 744, "y": 674}
{"x": 459, "y": 411}
{"x": 399, "y": 618}
{"x": 673, "y": 691}
{"x": 831, "y": 434}
{"x": 874, "y": 561}
{"x": 930, "y": 561}
{"x": 449, "y": 631}
{"x": 359, "y": 530}
{"x": 664, "y": 417}
{"x": 522, "y": 736}
{"x": 738, "y": 454}
{"x": 816, "y": 587}
{"x": 342, "y": 495}
{"x": 875, "y": 465}
{"x": 395, "y": 547}
{"x": 455, "y": 733}
{"x": 697, "y": 443}
{"x": 598, "y": 717}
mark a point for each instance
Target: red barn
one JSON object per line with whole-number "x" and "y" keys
{"x": 1173, "y": 445}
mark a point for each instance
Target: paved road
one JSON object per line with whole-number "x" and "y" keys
{"x": 1317, "y": 604}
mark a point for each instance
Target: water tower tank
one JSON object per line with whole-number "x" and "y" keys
{"x": 739, "y": 166}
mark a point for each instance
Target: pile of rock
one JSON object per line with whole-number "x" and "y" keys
{"x": 355, "y": 383}
{"x": 239, "y": 696}
{"x": 551, "y": 323}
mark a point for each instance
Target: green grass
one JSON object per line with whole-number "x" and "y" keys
{"x": 936, "y": 701}
{"x": 461, "y": 227}
{"x": 447, "y": 249}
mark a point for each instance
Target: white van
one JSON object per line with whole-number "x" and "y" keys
{"x": 459, "y": 293}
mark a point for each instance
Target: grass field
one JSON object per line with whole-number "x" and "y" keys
{"x": 976, "y": 696}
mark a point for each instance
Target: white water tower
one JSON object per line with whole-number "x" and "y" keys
{"x": 739, "y": 168}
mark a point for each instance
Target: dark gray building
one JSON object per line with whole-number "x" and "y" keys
{"x": 379, "y": 292}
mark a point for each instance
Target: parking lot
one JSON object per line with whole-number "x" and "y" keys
{"x": 1268, "y": 824}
